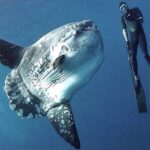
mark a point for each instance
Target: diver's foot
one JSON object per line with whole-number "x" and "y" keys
{"x": 147, "y": 57}
{"x": 137, "y": 84}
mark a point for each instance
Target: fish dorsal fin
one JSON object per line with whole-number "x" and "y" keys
{"x": 10, "y": 54}
{"x": 61, "y": 118}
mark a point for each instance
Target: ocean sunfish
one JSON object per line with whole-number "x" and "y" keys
{"x": 47, "y": 74}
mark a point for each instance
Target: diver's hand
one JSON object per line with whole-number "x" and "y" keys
{"x": 128, "y": 45}
{"x": 140, "y": 19}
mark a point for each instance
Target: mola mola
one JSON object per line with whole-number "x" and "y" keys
{"x": 47, "y": 74}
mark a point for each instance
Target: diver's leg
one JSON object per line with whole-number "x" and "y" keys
{"x": 133, "y": 49}
{"x": 143, "y": 44}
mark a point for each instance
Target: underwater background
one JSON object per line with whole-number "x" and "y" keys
{"x": 105, "y": 110}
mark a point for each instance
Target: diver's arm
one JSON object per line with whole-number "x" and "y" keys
{"x": 124, "y": 27}
{"x": 140, "y": 17}
{"x": 125, "y": 34}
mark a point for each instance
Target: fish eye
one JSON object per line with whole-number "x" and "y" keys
{"x": 65, "y": 48}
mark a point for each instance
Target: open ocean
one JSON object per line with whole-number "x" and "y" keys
{"x": 105, "y": 110}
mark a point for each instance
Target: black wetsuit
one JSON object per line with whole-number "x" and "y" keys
{"x": 136, "y": 34}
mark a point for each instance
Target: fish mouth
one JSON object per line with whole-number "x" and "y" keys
{"x": 58, "y": 61}
{"x": 85, "y": 25}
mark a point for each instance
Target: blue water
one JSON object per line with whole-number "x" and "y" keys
{"x": 105, "y": 110}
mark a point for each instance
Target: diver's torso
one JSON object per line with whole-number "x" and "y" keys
{"x": 131, "y": 20}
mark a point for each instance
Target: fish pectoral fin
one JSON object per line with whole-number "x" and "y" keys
{"x": 61, "y": 118}
{"x": 10, "y": 54}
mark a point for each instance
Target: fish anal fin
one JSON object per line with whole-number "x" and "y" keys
{"x": 61, "y": 118}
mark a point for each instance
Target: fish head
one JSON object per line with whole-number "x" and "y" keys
{"x": 76, "y": 42}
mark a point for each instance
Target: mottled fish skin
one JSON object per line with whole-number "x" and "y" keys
{"x": 21, "y": 99}
{"x": 81, "y": 45}
{"x": 51, "y": 71}
{"x": 62, "y": 119}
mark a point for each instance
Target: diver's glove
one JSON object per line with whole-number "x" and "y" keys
{"x": 128, "y": 45}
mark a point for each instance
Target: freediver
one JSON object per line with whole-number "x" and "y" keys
{"x": 134, "y": 35}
